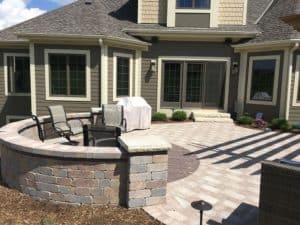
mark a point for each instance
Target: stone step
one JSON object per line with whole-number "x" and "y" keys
{"x": 216, "y": 120}
{"x": 212, "y": 115}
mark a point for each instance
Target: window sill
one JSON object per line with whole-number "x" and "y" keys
{"x": 255, "y": 102}
{"x": 19, "y": 94}
{"x": 192, "y": 10}
{"x": 296, "y": 104}
{"x": 70, "y": 99}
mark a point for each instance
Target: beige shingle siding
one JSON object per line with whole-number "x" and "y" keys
{"x": 231, "y": 12}
{"x": 153, "y": 11}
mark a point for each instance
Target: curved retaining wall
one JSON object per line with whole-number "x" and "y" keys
{"x": 134, "y": 175}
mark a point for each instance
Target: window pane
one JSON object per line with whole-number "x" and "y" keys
{"x": 194, "y": 82}
{"x": 202, "y": 4}
{"x": 10, "y": 73}
{"x": 77, "y": 75}
{"x": 122, "y": 76}
{"x": 22, "y": 75}
{"x": 184, "y": 3}
{"x": 172, "y": 82}
{"x": 58, "y": 76}
{"x": 263, "y": 73}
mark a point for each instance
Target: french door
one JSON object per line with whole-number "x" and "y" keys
{"x": 193, "y": 84}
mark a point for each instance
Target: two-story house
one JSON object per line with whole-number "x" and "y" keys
{"x": 214, "y": 58}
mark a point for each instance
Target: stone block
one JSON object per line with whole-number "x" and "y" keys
{"x": 139, "y": 194}
{"x": 156, "y": 184}
{"x": 84, "y": 191}
{"x": 155, "y": 200}
{"x": 44, "y": 171}
{"x": 160, "y": 158}
{"x": 159, "y": 175}
{"x": 139, "y": 177}
{"x": 64, "y": 181}
{"x": 156, "y": 167}
{"x": 78, "y": 199}
{"x": 60, "y": 172}
{"x": 137, "y": 186}
{"x": 111, "y": 174}
{"x": 101, "y": 200}
{"x": 158, "y": 192}
{"x": 140, "y": 160}
{"x": 80, "y": 182}
{"x": 138, "y": 168}
{"x": 65, "y": 189}
{"x": 46, "y": 179}
{"x": 136, "y": 203}
{"x": 105, "y": 183}
{"x": 97, "y": 191}
{"x": 80, "y": 174}
{"x": 47, "y": 187}
{"x": 99, "y": 174}
{"x": 59, "y": 197}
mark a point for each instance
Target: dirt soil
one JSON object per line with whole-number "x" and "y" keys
{"x": 19, "y": 209}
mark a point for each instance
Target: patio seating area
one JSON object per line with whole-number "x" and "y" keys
{"x": 228, "y": 176}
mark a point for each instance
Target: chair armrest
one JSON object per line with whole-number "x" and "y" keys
{"x": 290, "y": 162}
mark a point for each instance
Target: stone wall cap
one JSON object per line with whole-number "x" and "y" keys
{"x": 134, "y": 144}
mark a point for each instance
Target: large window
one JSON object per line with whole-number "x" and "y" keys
{"x": 172, "y": 80}
{"x": 193, "y": 4}
{"x": 17, "y": 74}
{"x": 67, "y": 75}
{"x": 122, "y": 75}
{"x": 263, "y": 80}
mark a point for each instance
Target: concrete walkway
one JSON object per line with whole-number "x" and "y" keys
{"x": 229, "y": 173}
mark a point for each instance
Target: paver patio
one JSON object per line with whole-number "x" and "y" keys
{"x": 229, "y": 173}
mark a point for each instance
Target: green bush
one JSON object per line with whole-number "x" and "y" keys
{"x": 179, "y": 116}
{"x": 158, "y": 116}
{"x": 281, "y": 124}
{"x": 245, "y": 120}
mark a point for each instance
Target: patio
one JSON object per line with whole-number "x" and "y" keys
{"x": 229, "y": 173}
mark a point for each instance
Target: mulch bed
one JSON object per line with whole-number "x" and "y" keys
{"x": 18, "y": 209}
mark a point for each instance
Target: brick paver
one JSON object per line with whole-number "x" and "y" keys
{"x": 229, "y": 173}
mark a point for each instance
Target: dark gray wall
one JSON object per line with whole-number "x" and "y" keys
{"x": 12, "y": 105}
{"x": 111, "y": 51}
{"x": 173, "y": 48}
{"x": 42, "y": 103}
{"x": 200, "y": 20}
{"x": 294, "y": 115}
{"x": 270, "y": 112}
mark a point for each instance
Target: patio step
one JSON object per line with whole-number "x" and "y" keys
{"x": 219, "y": 117}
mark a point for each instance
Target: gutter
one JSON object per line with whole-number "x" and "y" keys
{"x": 290, "y": 73}
{"x": 280, "y": 43}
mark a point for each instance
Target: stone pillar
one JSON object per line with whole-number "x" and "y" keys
{"x": 148, "y": 170}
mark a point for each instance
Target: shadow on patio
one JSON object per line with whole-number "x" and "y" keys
{"x": 251, "y": 149}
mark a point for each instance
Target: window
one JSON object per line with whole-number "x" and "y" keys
{"x": 196, "y": 4}
{"x": 263, "y": 80}
{"x": 172, "y": 79}
{"x": 296, "y": 92}
{"x": 67, "y": 75}
{"x": 17, "y": 73}
{"x": 122, "y": 75}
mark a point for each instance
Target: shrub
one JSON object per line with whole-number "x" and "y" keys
{"x": 245, "y": 120}
{"x": 158, "y": 116}
{"x": 179, "y": 116}
{"x": 46, "y": 221}
{"x": 281, "y": 124}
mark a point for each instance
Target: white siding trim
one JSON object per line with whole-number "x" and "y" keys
{"x": 115, "y": 56}
{"x": 296, "y": 102}
{"x": 242, "y": 83}
{"x": 138, "y": 72}
{"x": 32, "y": 79}
{"x": 5, "y": 55}
{"x": 104, "y": 74}
{"x": 87, "y": 54}
{"x": 184, "y": 58}
{"x": 276, "y": 78}
{"x": 245, "y": 14}
{"x": 171, "y": 13}
{"x": 139, "y": 19}
{"x": 284, "y": 83}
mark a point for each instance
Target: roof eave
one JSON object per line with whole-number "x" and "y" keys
{"x": 266, "y": 44}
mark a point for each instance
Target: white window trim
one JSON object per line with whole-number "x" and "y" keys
{"x": 115, "y": 56}
{"x": 296, "y": 102}
{"x": 276, "y": 78}
{"x": 16, "y": 117}
{"x": 87, "y": 54}
{"x": 5, "y": 55}
{"x": 213, "y": 11}
{"x": 227, "y": 60}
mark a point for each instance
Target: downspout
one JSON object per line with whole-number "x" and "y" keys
{"x": 289, "y": 83}
{"x": 103, "y": 75}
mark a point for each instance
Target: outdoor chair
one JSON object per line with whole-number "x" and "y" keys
{"x": 60, "y": 123}
{"x": 39, "y": 128}
{"x": 279, "y": 194}
{"x": 113, "y": 116}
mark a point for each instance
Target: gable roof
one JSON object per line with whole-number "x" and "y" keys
{"x": 101, "y": 17}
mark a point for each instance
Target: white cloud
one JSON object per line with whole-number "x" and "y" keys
{"x": 63, "y": 2}
{"x": 16, "y": 11}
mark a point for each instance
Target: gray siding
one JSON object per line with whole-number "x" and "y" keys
{"x": 12, "y": 105}
{"x": 200, "y": 20}
{"x": 294, "y": 115}
{"x": 70, "y": 106}
{"x": 111, "y": 51}
{"x": 184, "y": 49}
{"x": 270, "y": 112}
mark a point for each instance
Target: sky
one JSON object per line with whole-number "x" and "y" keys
{"x": 16, "y": 11}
